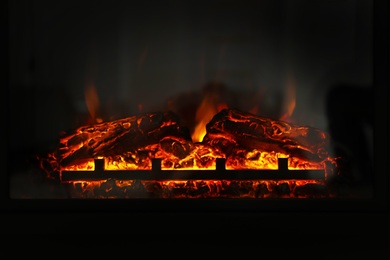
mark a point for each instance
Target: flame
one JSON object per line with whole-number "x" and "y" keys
{"x": 204, "y": 113}
{"x": 78, "y": 149}
{"x": 92, "y": 102}
{"x": 290, "y": 101}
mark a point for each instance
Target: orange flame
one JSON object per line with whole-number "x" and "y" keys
{"x": 290, "y": 102}
{"x": 199, "y": 156}
{"x": 204, "y": 113}
{"x": 92, "y": 102}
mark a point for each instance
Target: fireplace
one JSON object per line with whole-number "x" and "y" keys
{"x": 249, "y": 105}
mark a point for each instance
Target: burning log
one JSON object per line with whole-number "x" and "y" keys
{"x": 158, "y": 143}
{"x": 233, "y": 131}
{"x": 137, "y": 136}
{"x": 239, "y": 137}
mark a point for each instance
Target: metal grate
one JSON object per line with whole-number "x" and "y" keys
{"x": 220, "y": 173}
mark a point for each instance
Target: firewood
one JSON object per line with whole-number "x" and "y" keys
{"x": 123, "y": 136}
{"x": 231, "y": 130}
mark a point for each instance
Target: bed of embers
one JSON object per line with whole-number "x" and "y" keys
{"x": 152, "y": 155}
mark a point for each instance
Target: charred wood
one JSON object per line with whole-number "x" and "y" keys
{"x": 232, "y": 130}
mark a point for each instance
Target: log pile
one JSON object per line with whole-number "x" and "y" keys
{"x": 231, "y": 134}
{"x": 231, "y": 130}
{"x": 136, "y": 135}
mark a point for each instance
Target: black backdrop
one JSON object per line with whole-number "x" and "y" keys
{"x": 356, "y": 231}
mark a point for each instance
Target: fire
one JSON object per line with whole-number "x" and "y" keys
{"x": 209, "y": 106}
{"x": 92, "y": 102}
{"x": 290, "y": 101}
{"x": 198, "y": 189}
{"x": 243, "y": 140}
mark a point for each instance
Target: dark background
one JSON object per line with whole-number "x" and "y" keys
{"x": 151, "y": 51}
{"x": 148, "y": 56}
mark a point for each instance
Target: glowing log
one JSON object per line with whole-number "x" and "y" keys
{"x": 232, "y": 131}
{"x": 220, "y": 173}
{"x": 136, "y": 134}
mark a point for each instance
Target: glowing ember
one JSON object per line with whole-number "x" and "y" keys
{"x": 244, "y": 140}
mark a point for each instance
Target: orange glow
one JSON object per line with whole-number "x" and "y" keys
{"x": 290, "y": 101}
{"x": 92, "y": 102}
{"x": 199, "y": 189}
{"x": 254, "y": 110}
{"x": 244, "y": 140}
{"x": 253, "y": 160}
{"x": 78, "y": 149}
{"x": 204, "y": 113}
